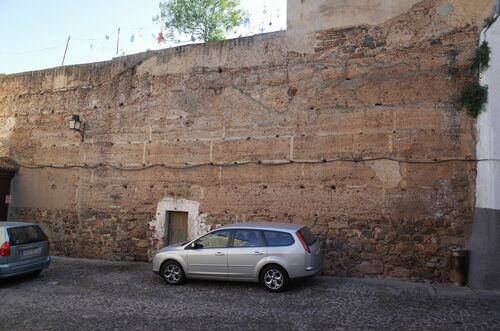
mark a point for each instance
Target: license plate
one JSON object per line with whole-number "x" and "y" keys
{"x": 32, "y": 252}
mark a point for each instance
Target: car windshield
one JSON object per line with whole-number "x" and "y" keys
{"x": 25, "y": 235}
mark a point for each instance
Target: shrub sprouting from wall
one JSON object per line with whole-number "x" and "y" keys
{"x": 474, "y": 96}
{"x": 482, "y": 57}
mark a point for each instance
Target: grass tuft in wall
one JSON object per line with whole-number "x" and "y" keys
{"x": 488, "y": 22}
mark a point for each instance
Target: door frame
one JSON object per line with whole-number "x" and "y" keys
{"x": 196, "y": 221}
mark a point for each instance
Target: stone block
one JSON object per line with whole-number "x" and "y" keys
{"x": 268, "y": 149}
{"x": 297, "y": 74}
{"x": 265, "y": 176}
{"x": 115, "y": 154}
{"x": 366, "y": 145}
{"x": 322, "y": 147}
{"x": 370, "y": 268}
{"x": 426, "y": 116}
{"x": 58, "y": 154}
{"x": 337, "y": 225}
{"x": 426, "y": 145}
{"x": 178, "y": 152}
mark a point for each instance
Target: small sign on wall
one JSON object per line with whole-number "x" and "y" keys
{"x": 8, "y": 198}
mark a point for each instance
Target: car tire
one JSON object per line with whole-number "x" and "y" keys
{"x": 274, "y": 278}
{"x": 172, "y": 273}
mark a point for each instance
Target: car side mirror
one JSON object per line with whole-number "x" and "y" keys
{"x": 195, "y": 245}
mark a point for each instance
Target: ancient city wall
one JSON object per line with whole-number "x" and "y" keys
{"x": 357, "y": 136}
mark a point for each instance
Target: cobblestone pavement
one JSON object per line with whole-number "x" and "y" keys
{"x": 77, "y": 294}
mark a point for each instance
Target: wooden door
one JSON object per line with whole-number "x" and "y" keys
{"x": 4, "y": 192}
{"x": 177, "y": 227}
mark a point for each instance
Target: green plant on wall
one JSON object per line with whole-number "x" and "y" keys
{"x": 474, "y": 98}
{"x": 488, "y": 22}
{"x": 482, "y": 57}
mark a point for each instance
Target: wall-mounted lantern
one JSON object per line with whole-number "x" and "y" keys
{"x": 76, "y": 124}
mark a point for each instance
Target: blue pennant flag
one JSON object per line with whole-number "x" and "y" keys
{"x": 246, "y": 22}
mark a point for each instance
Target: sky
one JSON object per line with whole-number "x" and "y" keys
{"x": 34, "y": 33}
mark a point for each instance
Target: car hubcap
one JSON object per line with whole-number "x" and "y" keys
{"x": 172, "y": 273}
{"x": 273, "y": 279}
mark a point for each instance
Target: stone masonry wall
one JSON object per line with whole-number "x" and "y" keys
{"x": 360, "y": 139}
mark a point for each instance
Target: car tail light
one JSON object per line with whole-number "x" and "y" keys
{"x": 303, "y": 241}
{"x": 5, "y": 249}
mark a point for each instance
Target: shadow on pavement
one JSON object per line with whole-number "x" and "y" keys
{"x": 17, "y": 280}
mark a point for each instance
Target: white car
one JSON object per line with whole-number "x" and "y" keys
{"x": 270, "y": 253}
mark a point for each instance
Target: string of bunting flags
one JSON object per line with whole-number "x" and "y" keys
{"x": 150, "y": 36}
{"x": 245, "y": 29}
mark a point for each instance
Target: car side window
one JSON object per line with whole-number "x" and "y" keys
{"x": 247, "y": 238}
{"x": 217, "y": 239}
{"x": 275, "y": 238}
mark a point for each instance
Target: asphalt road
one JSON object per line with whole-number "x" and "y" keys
{"x": 78, "y": 294}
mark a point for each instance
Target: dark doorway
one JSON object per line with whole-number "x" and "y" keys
{"x": 177, "y": 225}
{"x": 4, "y": 195}
{"x": 7, "y": 171}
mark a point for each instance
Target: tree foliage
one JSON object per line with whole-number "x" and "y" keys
{"x": 203, "y": 20}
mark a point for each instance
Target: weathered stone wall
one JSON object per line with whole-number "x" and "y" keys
{"x": 358, "y": 138}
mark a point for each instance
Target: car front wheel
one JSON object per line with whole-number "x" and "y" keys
{"x": 172, "y": 273}
{"x": 274, "y": 278}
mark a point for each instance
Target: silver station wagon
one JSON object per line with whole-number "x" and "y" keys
{"x": 24, "y": 249}
{"x": 269, "y": 253}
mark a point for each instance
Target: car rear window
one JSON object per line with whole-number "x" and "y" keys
{"x": 309, "y": 237}
{"x": 275, "y": 238}
{"x": 25, "y": 235}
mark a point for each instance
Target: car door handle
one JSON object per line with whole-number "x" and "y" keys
{"x": 257, "y": 253}
{"x": 219, "y": 254}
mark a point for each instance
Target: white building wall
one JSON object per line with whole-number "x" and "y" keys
{"x": 488, "y": 129}
{"x": 484, "y": 243}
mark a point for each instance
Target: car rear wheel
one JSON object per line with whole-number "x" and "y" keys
{"x": 274, "y": 278}
{"x": 172, "y": 273}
